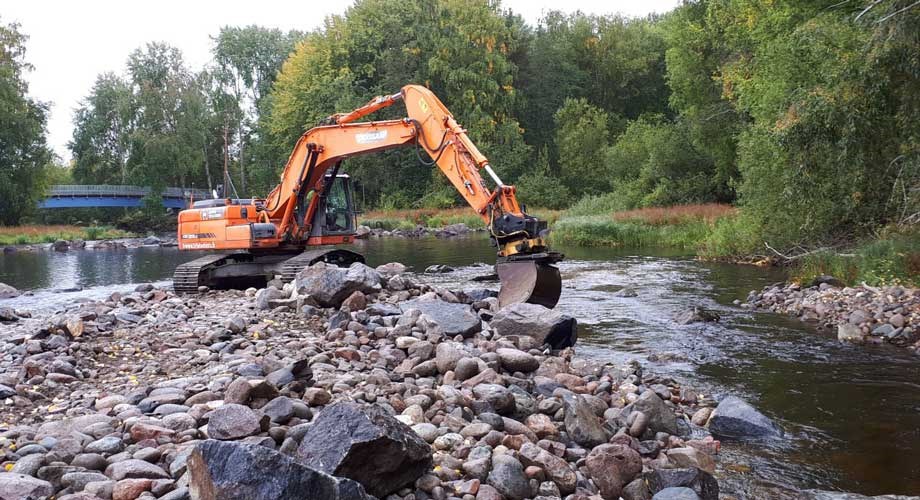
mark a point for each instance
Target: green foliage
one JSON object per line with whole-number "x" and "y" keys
{"x": 654, "y": 163}
{"x": 602, "y": 230}
{"x": 23, "y": 153}
{"x": 890, "y": 260}
{"x": 582, "y": 139}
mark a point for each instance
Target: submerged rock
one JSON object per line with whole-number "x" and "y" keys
{"x": 365, "y": 444}
{"x": 545, "y": 326}
{"x": 697, "y": 315}
{"x": 734, "y": 418}
{"x": 220, "y": 470}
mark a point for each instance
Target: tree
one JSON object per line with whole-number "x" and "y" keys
{"x": 460, "y": 49}
{"x": 23, "y": 151}
{"x": 165, "y": 142}
{"x": 582, "y": 138}
{"x": 103, "y": 124}
{"x": 247, "y": 61}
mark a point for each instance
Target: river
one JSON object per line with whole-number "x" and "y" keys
{"x": 851, "y": 413}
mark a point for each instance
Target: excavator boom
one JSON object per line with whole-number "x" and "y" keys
{"x": 287, "y": 218}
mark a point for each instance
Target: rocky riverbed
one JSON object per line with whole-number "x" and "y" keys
{"x": 859, "y": 314}
{"x": 343, "y": 385}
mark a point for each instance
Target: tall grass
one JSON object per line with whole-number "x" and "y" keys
{"x": 892, "y": 259}
{"x": 33, "y": 234}
{"x": 682, "y": 226}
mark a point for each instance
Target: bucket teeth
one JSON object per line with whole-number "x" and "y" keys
{"x": 528, "y": 281}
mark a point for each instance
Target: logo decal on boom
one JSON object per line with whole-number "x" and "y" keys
{"x": 367, "y": 137}
{"x": 423, "y": 104}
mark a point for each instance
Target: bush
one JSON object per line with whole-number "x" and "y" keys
{"x": 538, "y": 189}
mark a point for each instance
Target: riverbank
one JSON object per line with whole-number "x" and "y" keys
{"x": 490, "y": 409}
{"x": 34, "y": 234}
{"x": 860, "y": 314}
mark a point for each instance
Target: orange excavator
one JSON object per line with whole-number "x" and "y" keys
{"x": 311, "y": 212}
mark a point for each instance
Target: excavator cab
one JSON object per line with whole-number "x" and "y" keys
{"x": 335, "y": 215}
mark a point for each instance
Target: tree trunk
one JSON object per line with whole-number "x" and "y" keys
{"x": 207, "y": 167}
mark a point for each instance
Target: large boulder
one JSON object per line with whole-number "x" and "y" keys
{"x": 365, "y": 444}
{"x": 236, "y": 471}
{"x": 736, "y": 419}
{"x": 546, "y": 326}
{"x": 452, "y": 319}
{"x": 8, "y": 292}
{"x": 329, "y": 285}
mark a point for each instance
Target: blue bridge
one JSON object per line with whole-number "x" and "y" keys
{"x": 87, "y": 196}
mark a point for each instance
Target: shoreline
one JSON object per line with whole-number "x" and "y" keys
{"x": 861, "y": 314}
{"x": 459, "y": 375}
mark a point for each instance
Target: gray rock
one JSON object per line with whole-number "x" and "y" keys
{"x": 678, "y": 493}
{"x": 233, "y": 421}
{"x": 696, "y": 315}
{"x": 466, "y": 368}
{"x": 280, "y": 409}
{"x": 447, "y": 355}
{"x": 7, "y": 291}
{"x": 266, "y": 296}
{"x": 514, "y": 360}
{"x": 508, "y": 477}
{"x": 29, "y": 464}
{"x": 7, "y": 314}
{"x": 736, "y": 419}
{"x": 135, "y": 469}
{"x": 452, "y": 319}
{"x": 220, "y": 470}
{"x": 76, "y": 481}
{"x": 660, "y": 417}
{"x": 383, "y": 309}
{"x": 702, "y": 483}
{"x": 847, "y": 332}
{"x": 329, "y": 285}
{"x": 582, "y": 424}
{"x": 365, "y": 444}
{"x": 108, "y": 445}
{"x": 499, "y": 397}
{"x": 20, "y": 486}
{"x": 546, "y": 326}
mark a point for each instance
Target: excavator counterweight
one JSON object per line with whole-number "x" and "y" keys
{"x": 312, "y": 206}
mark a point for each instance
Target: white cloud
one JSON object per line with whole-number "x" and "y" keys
{"x": 71, "y": 42}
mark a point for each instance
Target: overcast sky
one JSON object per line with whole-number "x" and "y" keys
{"x": 71, "y": 42}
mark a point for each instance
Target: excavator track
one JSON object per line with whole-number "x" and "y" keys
{"x": 337, "y": 256}
{"x": 191, "y": 275}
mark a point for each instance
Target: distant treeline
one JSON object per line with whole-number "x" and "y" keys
{"x": 803, "y": 113}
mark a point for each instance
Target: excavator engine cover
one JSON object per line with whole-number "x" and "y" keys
{"x": 535, "y": 281}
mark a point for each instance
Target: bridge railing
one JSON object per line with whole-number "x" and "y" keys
{"x": 86, "y": 190}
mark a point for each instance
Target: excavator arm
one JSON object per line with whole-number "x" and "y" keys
{"x": 430, "y": 127}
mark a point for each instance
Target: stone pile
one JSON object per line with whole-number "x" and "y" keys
{"x": 345, "y": 384}
{"x": 860, "y": 314}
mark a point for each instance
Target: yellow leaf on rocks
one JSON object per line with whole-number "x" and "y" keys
{"x": 8, "y": 467}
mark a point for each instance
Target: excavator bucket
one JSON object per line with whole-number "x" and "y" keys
{"x": 528, "y": 281}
